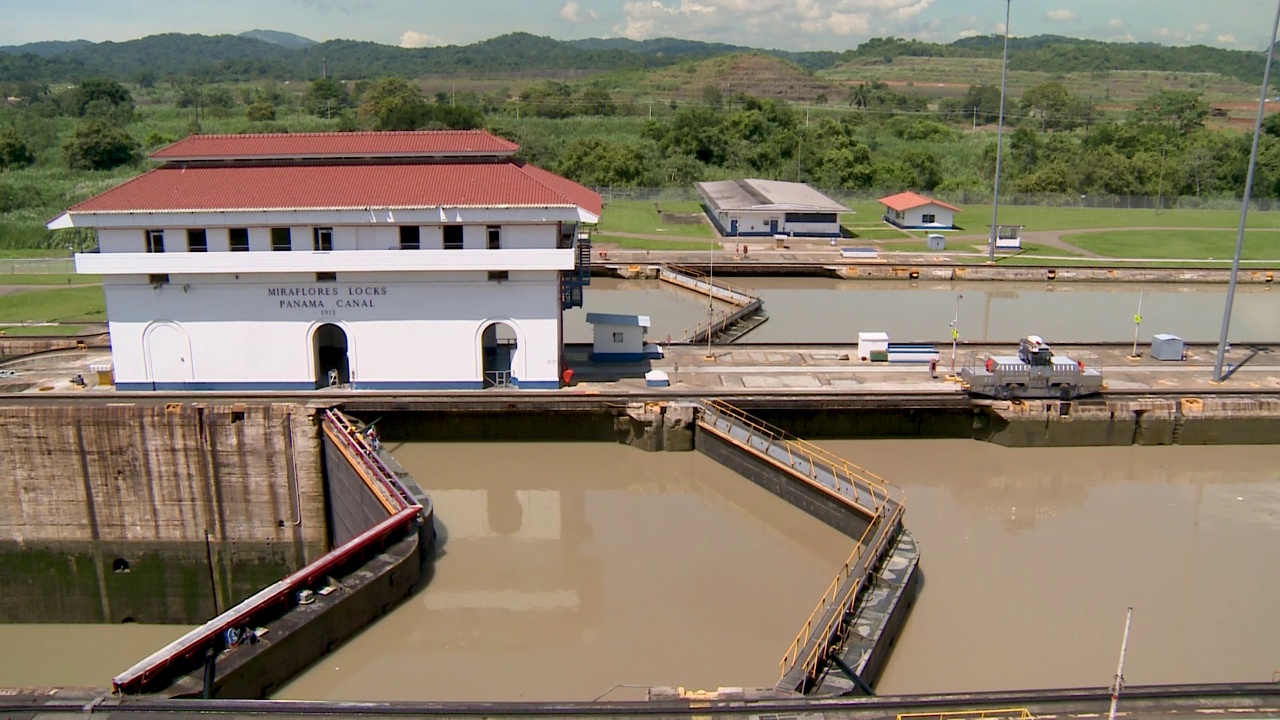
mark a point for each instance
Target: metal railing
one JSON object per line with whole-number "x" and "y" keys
{"x": 1004, "y": 713}
{"x": 497, "y": 378}
{"x": 863, "y": 555}
{"x": 700, "y": 282}
{"x": 879, "y": 490}
{"x": 382, "y": 481}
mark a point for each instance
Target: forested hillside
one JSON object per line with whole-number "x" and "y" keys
{"x": 246, "y": 57}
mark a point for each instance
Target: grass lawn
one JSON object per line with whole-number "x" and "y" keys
{"x": 1191, "y": 244}
{"x": 78, "y": 304}
{"x": 28, "y": 254}
{"x": 878, "y": 233}
{"x": 39, "y": 330}
{"x": 978, "y": 218}
{"x": 638, "y": 216}
{"x": 50, "y": 279}
{"x": 630, "y": 243}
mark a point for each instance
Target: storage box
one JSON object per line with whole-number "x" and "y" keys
{"x": 1168, "y": 347}
{"x": 869, "y": 342}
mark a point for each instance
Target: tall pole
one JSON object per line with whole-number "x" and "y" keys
{"x": 955, "y": 333}
{"x": 711, "y": 298}
{"x": 1248, "y": 194}
{"x": 1137, "y": 321}
{"x": 1004, "y": 78}
{"x": 1115, "y": 688}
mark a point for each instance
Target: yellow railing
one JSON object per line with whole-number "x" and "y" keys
{"x": 877, "y": 487}
{"x": 699, "y": 275}
{"x": 813, "y": 660}
{"x": 1004, "y": 713}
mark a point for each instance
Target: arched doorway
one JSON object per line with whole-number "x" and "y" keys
{"x": 498, "y": 350}
{"x": 333, "y": 367}
{"x": 168, "y": 355}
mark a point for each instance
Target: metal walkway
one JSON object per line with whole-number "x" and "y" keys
{"x": 857, "y": 489}
{"x": 724, "y": 326}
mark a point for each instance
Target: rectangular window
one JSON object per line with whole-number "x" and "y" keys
{"x": 239, "y": 239}
{"x": 158, "y": 279}
{"x": 281, "y": 239}
{"x": 452, "y": 237}
{"x": 617, "y": 337}
{"x": 494, "y": 234}
{"x": 499, "y": 275}
{"x": 803, "y": 217}
{"x": 155, "y": 241}
{"x": 323, "y": 239}
{"x": 928, "y": 218}
{"x": 410, "y": 237}
{"x": 326, "y": 277}
{"x": 197, "y": 241}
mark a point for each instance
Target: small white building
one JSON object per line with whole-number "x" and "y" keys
{"x": 764, "y": 208}
{"x": 379, "y": 261}
{"x": 916, "y": 212}
{"x": 618, "y": 338}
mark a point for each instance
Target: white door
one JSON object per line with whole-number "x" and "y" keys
{"x": 169, "y": 353}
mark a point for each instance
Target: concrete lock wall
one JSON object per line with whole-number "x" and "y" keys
{"x": 353, "y": 508}
{"x": 813, "y": 501}
{"x": 153, "y": 513}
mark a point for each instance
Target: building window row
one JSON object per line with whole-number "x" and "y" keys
{"x": 322, "y": 239}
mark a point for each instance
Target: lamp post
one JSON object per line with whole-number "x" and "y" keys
{"x": 1248, "y": 194}
{"x": 955, "y": 333}
{"x": 1004, "y": 77}
{"x": 711, "y": 300}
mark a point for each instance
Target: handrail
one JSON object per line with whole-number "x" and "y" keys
{"x": 1020, "y": 713}
{"x": 192, "y": 644}
{"x": 880, "y": 489}
{"x": 811, "y": 662}
{"x": 368, "y": 457}
{"x": 699, "y": 275}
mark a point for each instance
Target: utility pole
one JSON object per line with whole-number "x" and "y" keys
{"x": 324, "y": 67}
{"x": 1137, "y": 322}
{"x": 711, "y": 300}
{"x": 1004, "y": 77}
{"x": 1115, "y": 687}
{"x": 955, "y": 333}
{"x": 1248, "y": 194}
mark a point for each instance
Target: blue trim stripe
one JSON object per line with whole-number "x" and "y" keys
{"x": 194, "y": 386}
{"x": 536, "y": 384}
{"x": 618, "y": 357}
{"x": 420, "y": 385}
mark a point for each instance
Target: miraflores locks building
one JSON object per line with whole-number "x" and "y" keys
{"x": 378, "y": 261}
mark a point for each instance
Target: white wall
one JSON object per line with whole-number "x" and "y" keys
{"x": 345, "y": 237}
{"x": 914, "y": 217}
{"x": 632, "y": 339}
{"x": 414, "y": 332}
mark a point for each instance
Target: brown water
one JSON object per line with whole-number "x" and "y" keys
{"x": 568, "y": 569}
{"x": 571, "y": 568}
{"x": 818, "y": 310}
{"x": 1030, "y": 558}
{"x": 76, "y": 655}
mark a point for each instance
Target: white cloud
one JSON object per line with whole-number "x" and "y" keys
{"x": 346, "y": 6}
{"x": 1201, "y": 27}
{"x": 767, "y": 20}
{"x": 1228, "y": 39}
{"x": 968, "y": 33}
{"x": 1165, "y": 34}
{"x": 1060, "y": 15}
{"x": 572, "y": 12}
{"x": 412, "y": 39}
{"x": 1115, "y": 23}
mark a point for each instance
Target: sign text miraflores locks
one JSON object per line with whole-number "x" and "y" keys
{"x": 327, "y": 298}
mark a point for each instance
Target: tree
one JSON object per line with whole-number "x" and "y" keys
{"x": 102, "y": 90}
{"x": 261, "y": 111}
{"x": 14, "y": 152}
{"x": 145, "y": 78}
{"x": 325, "y": 97}
{"x": 100, "y": 146}
{"x": 595, "y": 100}
{"x": 1053, "y": 105}
{"x": 981, "y": 104}
{"x": 1180, "y": 110}
{"x": 391, "y": 103}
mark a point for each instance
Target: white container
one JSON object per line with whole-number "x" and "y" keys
{"x": 869, "y": 342}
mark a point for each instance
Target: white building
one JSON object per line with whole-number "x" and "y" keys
{"x": 917, "y": 212}
{"x": 619, "y": 338}
{"x": 379, "y": 261}
{"x": 762, "y": 208}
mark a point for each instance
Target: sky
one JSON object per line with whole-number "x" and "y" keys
{"x": 782, "y": 24}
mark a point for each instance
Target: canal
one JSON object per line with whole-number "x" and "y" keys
{"x": 569, "y": 569}
{"x": 820, "y": 310}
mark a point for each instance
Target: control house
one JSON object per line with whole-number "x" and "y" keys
{"x": 374, "y": 261}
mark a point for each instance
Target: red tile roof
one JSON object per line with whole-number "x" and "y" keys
{"x": 331, "y": 145}
{"x": 908, "y": 200}
{"x": 332, "y": 187}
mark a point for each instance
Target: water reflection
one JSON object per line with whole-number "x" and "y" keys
{"x": 566, "y": 569}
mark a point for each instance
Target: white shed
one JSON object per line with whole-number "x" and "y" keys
{"x": 869, "y": 342}
{"x": 618, "y": 338}
{"x": 914, "y": 211}
{"x": 761, "y": 208}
